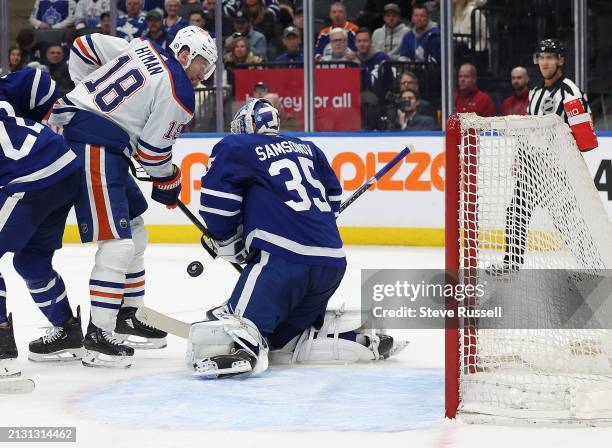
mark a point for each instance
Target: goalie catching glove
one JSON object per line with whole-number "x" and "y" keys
{"x": 166, "y": 190}
{"x": 231, "y": 249}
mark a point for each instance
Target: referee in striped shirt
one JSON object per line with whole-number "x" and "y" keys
{"x": 548, "y": 97}
{"x": 543, "y": 100}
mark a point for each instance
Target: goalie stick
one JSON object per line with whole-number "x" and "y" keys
{"x": 180, "y": 328}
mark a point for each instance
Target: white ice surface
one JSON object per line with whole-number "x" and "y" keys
{"x": 155, "y": 404}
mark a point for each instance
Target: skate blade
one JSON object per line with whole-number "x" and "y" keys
{"x": 97, "y": 359}
{"x": 20, "y": 386}
{"x": 210, "y": 370}
{"x": 140, "y": 343}
{"x": 9, "y": 368}
{"x": 60, "y": 356}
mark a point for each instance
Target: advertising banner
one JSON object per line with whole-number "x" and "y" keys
{"x": 406, "y": 207}
{"x": 337, "y": 90}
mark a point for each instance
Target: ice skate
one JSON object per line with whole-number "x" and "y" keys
{"x": 103, "y": 350}
{"x": 134, "y": 333}
{"x": 8, "y": 350}
{"x": 61, "y": 344}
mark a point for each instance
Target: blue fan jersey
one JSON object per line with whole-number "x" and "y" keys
{"x": 32, "y": 156}
{"x": 282, "y": 190}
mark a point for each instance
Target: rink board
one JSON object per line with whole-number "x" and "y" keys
{"x": 406, "y": 208}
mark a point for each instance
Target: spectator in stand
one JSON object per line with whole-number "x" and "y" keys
{"x": 30, "y": 49}
{"x": 240, "y": 53}
{"x": 288, "y": 121}
{"x": 433, "y": 8}
{"x": 372, "y": 14}
{"x": 52, "y": 14}
{"x": 105, "y": 24}
{"x": 369, "y": 58}
{"x": 88, "y": 12}
{"x": 155, "y": 30}
{"x": 389, "y": 37}
{"x": 407, "y": 117}
{"x": 231, "y": 7}
{"x": 58, "y": 68}
{"x": 292, "y": 42}
{"x": 15, "y": 60}
{"x": 147, "y": 5}
{"x": 422, "y": 43}
{"x": 409, "y": 80}
{"x": 339, "y": 50}
{"x": 517, "y": 103}
{"x": 260, "y": 89}
{"x": 209, "y": 17}
{"x": 196, "y": 18}
{"x": 260, "y": 17}
{"x": 468, "y": 98}
{"x": 337, "y": 14}
{"x": 173, "y": 22}
{"x": 243, "y": 28}
{"x": 370, "y": 61}
{"x": 298, "y": 19}
{"x": 132, "y": 24}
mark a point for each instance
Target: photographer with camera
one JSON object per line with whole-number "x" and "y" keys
{"x": 406, "y": 116}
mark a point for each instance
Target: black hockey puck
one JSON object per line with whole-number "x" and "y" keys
{"x": 195, "y": 268}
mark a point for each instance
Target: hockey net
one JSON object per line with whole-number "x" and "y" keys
{"x": 520, "y": 199}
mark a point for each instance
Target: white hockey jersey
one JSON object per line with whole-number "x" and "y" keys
{"x": 131, "y": 97}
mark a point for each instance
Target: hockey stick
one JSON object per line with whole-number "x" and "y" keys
{"x": 371, "y": 181}
{"x": 181, "y": 329}
{"x": 18, "y": 386}
{"x": 204, "y": 231}
{"x": 140, "y": 174}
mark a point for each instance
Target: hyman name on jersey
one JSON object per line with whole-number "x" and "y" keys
{"x": 149, "y": 59}
{"x": 276, "y": 149}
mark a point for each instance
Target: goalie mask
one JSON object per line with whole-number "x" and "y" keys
{"x": 258, "y": 116}
{"x": 199, "y": 43}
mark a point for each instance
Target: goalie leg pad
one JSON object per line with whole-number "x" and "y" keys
{"x": 334, "y": 342}
{"x": 226, "y": 345}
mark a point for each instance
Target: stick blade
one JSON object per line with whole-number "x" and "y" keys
{"x": 163, "y": 322}
{"x": 18, "y": 386}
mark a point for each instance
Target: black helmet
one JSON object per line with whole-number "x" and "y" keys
{"x": 549, "y": 46}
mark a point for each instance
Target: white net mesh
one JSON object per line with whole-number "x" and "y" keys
{"x": 528, "y": 204}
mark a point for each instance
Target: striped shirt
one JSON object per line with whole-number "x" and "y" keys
{"x": 549, "y": 100}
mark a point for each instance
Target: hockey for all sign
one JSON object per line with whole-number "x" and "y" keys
{"x": 337, "y": 94}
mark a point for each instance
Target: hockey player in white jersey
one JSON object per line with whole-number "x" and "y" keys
{"x": 131, "y": 100}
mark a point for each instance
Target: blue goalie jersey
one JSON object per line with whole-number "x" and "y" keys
{"x": 32, "y": 156}
{"x": 282, "y": 190}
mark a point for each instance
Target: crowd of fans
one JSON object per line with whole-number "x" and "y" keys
{"x": 382, "y": 33}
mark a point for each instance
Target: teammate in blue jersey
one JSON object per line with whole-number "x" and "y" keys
{"x": 272, "y": 199}
{"x": 39, "y": 181}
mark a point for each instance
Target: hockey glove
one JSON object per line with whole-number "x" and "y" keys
{"x": 166, "y": 190}
{"x": 231, "y": 249}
